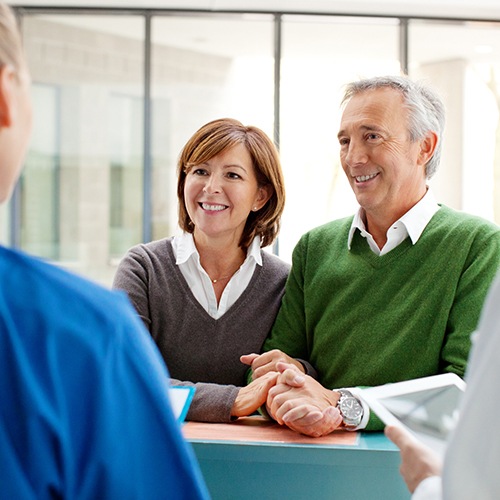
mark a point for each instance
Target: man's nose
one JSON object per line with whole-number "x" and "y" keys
{"x": 356, "y": 154}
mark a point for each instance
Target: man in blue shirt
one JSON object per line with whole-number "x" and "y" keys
{"x": 84, "y": 408}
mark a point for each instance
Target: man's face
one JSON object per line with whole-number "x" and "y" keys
{"x": 384, "y": 168}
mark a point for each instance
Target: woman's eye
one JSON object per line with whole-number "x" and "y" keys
{"x": 199, "y": 171}
{"x": 233, "y": 175}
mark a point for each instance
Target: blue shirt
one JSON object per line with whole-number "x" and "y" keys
{"x": 84, "y": 409}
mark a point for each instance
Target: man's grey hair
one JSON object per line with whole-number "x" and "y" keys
{"x": 426, "y": 109}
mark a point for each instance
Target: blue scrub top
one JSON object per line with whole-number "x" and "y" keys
{"x": 84, "y": 409}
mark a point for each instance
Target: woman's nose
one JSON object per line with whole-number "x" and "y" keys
{"x": 212, "y": 185}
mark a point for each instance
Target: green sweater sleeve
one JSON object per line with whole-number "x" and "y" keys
{"x": 289, "y": 331}
{"x": 479, "y": 270}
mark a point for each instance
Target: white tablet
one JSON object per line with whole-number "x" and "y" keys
{"x": 428, "y": 407}
{"x": 180, "y": 399}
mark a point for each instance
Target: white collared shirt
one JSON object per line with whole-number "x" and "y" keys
{"x": 412, "y": 224}
{"x": 188, "y": 260}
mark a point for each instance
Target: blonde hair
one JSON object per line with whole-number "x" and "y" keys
{"x": 219, "y": 135}
{"x": 11, "y": 51}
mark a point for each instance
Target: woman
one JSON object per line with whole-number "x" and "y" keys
{"x": 211, "y": 294}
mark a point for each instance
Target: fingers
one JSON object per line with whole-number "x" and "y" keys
{"x": 248, "y": 359}
{"x": 252, "y": 396}
{"x": 290, "y": 375}
{"x": 417, "y": 460}
{"x": 310, "y": 421}
{"x": 266, "y": 362}
{"x": 400, "y": 437}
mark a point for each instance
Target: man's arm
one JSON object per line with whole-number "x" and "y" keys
{"x": 478, "y": 273}
{"x": 288, "y": 339}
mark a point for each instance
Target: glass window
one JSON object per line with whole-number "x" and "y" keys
{"x": 81, "y": 194}
{"x": 81, "y": 189}
{"x": 320, "y": 55}
{"x": 465, "y": 68}
{"x": 39, "y": 186}
{"x": 5, "y": 224}
{"x": 204, "y": 68}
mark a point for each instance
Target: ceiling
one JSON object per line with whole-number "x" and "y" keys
{"x": 477, "y": 9}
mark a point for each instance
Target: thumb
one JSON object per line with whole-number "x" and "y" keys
{"x": 248, "y": 359}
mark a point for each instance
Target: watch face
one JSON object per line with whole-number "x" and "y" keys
{"x": 351, "y": 410}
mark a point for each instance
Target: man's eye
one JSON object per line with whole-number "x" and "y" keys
{"x": 343, "y": 141}
{"x": 373, "y": 137}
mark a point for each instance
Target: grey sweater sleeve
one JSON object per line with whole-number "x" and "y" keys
{"x": 211, "y": 402}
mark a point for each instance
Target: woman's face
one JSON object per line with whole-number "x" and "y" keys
{"x": 220, "y": 194}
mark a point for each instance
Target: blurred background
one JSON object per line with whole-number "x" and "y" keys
{"x": 118, "y": 88}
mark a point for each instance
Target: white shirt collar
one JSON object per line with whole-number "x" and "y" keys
{"x": 415, "y": 220}
{"x": 184, "y": 249}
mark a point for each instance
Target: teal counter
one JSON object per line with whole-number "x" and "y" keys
{"x": 367, "y": 469}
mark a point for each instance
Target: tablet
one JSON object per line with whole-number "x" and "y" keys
{"x": 180, "y": 399}
{"x": 428, "y": 407}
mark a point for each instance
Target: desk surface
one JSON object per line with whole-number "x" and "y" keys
{"x": 256, "y": 458}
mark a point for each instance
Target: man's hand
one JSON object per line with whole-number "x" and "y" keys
{"x": 418, "y": 461}
{"x": 302, "y": 403}
{"x": 265, "y": 363}
{"x": 253, "y": 396}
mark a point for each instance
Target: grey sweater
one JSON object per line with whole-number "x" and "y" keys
{"x": 197, "y": 348}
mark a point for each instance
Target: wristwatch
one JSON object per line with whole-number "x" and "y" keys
{"x": 350, "y": 409}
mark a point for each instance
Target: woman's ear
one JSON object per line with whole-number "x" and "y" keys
{"x": 8, "y": 80}
{"x": 263, "y": 195}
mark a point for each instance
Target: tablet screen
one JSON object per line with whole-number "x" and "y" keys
{"x": 180, "y": 399}
{"x": 430, "y": 411}
{"x": 428, "y": 407}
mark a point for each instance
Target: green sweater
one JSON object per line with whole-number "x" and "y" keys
{"x": 365, "y": 320}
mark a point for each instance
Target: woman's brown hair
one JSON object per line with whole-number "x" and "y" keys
{"x": 214, "y": 138}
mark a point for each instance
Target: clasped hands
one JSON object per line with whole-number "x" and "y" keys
{"x": 292, "y": 398}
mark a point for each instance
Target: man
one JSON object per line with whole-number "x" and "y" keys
{"x": 84, "y": 408}
{"x": 390, "y": 294}
{"x": 473, "y": 454}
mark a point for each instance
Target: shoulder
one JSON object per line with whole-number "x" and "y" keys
{"x": 330, "y": 228}
{"x": 465, "y": 229}
{"x": 146, "y": 257}
{"x": 56, "y": 297}
{"x": 274, "y": 264}
{"x": 464, "y": 221}
{"x": 327, "y": 235}
{"x": 156, "y": 247}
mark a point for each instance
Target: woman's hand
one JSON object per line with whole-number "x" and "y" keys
{"x": 254, "y": 395}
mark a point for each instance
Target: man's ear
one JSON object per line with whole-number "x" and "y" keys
{"x": 427, "y": 147}
{"x": 7, "y": 83}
